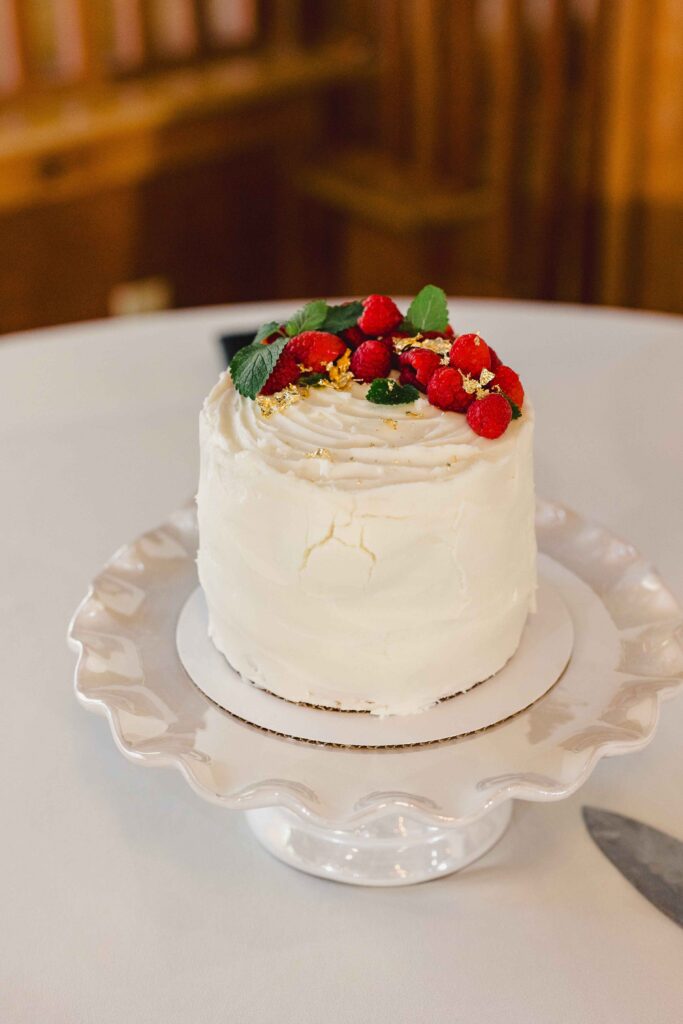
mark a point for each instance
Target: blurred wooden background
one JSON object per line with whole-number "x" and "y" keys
{"x": 178, "y": 152}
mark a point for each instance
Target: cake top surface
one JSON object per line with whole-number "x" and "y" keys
{"x": 359, "y": 394}
{"x": 339, "y": 438}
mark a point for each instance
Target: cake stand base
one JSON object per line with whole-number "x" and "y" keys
{"x": 393, "y": 850}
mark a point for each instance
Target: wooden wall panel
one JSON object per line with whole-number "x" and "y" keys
{"x": 206, "y": 229}
{"x": 661, "y": 282}
{"x": 523, "y": 147}
{"x": 641, "y": 246}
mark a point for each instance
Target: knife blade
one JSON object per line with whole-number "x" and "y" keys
{"x": 650, "y": 860}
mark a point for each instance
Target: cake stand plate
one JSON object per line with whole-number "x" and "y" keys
{"x": 388, "y": 814}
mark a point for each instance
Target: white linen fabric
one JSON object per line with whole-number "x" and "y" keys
{"x": 127, "y": 898}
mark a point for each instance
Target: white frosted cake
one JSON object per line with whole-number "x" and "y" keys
{"x": 363, "y": 555}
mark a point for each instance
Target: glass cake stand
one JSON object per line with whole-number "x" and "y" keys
{"x": 383, "y": 801}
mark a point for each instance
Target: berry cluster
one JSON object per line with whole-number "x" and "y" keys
{"x": 328, "y": 346}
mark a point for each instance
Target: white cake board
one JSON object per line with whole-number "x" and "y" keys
{"x": 540, "y": 660}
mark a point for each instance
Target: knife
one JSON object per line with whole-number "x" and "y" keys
{"x": 650, "y": 860}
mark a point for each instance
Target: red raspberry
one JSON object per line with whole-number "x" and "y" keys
{"x": 372, "y": 359}
{"x": 417, "y": 367}
{"x": 286, "y": 372}
{"x": 380, "y": 315}
{"x": 508, "y": 381}
{"x": 471, "y": 354}
{"x": 490, "y": 416}
{"x": 353, "y": 336}
{"x": 298, "y": 347}
{"x": 315, "y": 349}
{"x": 496, "y": 361}
{"x": 447, "y": 332}
{"x": 445, "y": 390}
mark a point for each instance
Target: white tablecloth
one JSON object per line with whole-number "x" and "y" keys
{"x": 126, "y": 898}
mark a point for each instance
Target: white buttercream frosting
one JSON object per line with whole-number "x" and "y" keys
{"x": 393, "y": 568}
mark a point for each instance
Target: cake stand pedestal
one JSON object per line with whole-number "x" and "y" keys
{"x": 384, "y": 809}
{"x": 393, "y": 850}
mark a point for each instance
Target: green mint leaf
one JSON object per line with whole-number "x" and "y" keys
{"x": 311, "y": 379}
{"x": 429, "y": 310}
{"x": 516, "y": 411}
{"x": 338, "y": 318}
{"x": 251, "y": 367}
{"x": 310, "y": 318}
{"x": 265, "y": 331}
{"x": 387, "y": 391}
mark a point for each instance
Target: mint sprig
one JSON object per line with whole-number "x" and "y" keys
{"x": 265, "y": 331}
{"x": 309, "y": 318}
{"x": 251, "y": 367}
{"x": 339, "y": 318}
{"x": 428, "y": 311}
{"x": 516, "y": 411}
{"x": 387, "y": 391}
{"x": 311, "y": 380}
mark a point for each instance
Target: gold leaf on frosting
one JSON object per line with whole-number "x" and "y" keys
{"x": 390, "y": 423}
{"x": 281, "y": 400}
{"x": 415, "y": 415}
{"x": 319, "y": 453}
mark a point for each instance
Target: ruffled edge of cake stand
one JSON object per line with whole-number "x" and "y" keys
{"x": 139, "y": 593}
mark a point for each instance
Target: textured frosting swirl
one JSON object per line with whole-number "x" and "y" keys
{"x": 363, "y": 445}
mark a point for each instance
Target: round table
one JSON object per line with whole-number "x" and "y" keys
{"x": 126, "y": 898}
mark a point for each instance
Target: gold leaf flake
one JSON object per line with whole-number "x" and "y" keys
{"x": 485, "y": 377}
{"x": 442, "y": 346}
{"x": 469, "y": 385}
{"x": 472, "y": 386}
{"x": 390, "y": 423}
{"x": 319, "y": 453}
{"x": 265, "y": 404}
{"x": 414, "y": 415}
{"x": 340, "y": 377}
{"x": 281, "y": 400}
{"x": 401, "y": 343}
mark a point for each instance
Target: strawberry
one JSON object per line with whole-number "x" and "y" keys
{"x": 315, "y": 349}
{"x": 417, "y": 367}
{"x": 508, "y": 382}
{"x": 471, "y": 354}
{"x": 490, "y": 416}
{"x": 445, "y": 390}
{"x": 286, "y": 372}
{"x": 372, "y": 359}
{"x": 496, "y": 361}
{"x": 380, "y": 315}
